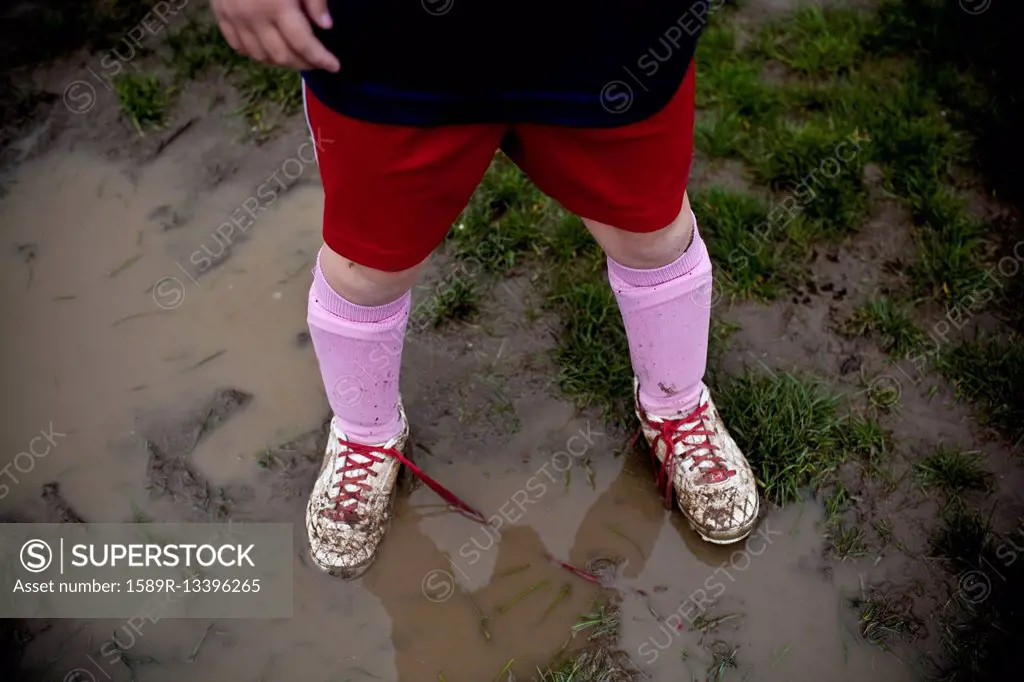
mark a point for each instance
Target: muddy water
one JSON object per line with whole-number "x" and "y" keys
{"x": 113, "y": 333}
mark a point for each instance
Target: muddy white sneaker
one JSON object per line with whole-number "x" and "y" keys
{"x": 697, "y": 457}
{"x": 350, "y": 507}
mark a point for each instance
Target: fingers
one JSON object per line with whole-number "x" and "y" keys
{"x": 317, "y": 11}
{"x": 251, "y": 44}
{"x": 281, "y": 37}
{"x": 230, "y": 35}
{"x": 278, "y": 52}
{"x": 296, "y": 32}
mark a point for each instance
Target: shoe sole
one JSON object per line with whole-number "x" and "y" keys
{"x": 743, "y": 532}
{"x": 353, "y": 572}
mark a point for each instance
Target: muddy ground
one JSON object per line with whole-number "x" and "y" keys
{"x": 174, "y": 362}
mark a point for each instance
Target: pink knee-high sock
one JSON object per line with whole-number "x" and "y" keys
{"x": 359, "y": 349}
{"x": 667, "y": 314}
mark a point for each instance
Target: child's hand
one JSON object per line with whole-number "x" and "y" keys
{"x": 277, "y": 31}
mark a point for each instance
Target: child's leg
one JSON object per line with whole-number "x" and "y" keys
{"x": 357, "y": 318}
{"x": 390, "y": 195}
{"x": 629, "y": 183}
{"x": 662, "y": 282}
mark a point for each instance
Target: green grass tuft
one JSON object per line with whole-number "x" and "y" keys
{"x": 991, "y": 371}
{"x": 721, "y": 134}
{"x": 816, "y": 42}
{"x": 948, "y": 267}
{"x": 736, "y": 84}
{"x": 270, "y": 93}
{"x": 505, "y": 218}
{"x": 459, "y": 300}
{"x": 806, "y": 161}
{"x": 885, "y": 620}
{"x": 954, "y": 472}
{"x": 593, "y": 351}
{"x": 143, "y": 99}
{"x": 962, "y": 538}
{"x": 597, "y": 662}
{"x": 723, "y": 658}
{"x": 837, "y": 502}
{"x": 570, "y": 242}
{"x": 593, "y": 665}
{"x": 197, "y": 47}
{"x": 717, "y": 43}
{"x": 847, "y": 542}
{"x": 789, "y": 429}
{"x": 890, "y": 321}
{"x": 748, "y": 265}
{"x": 865, "y": 437}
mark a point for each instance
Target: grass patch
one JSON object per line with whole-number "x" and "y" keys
{"x": 721, "y": 134}
{"x": 890, "y": 321}
{"x": 270, "y": 93}
{"x": 885, "y": 620}
{"x": 570, "y": 243}
{"x": 723, "y": 658}
{"x": 505, "y": 218}
{"x": 748, "y": 265}
{"x": 963, "y": 538}
{"x": 948, "y": 268}
{"x": 866, "y": 437}
{"x": 593, "y": 665}
{"x": 815, "y": 42}
{"x": 789, "y": 428}
{"x": 983, "y": 622}
{"x": 197, "y": 47}
{"x": 847, "y": 542}
{"x": 460, "y": 301}
{"x": 144, "y": 99}
{"x": 953, "y": 472}
{"x": 839, "y": 81}
{"x": 970, "y": 65}
{"x": 735, "y": 84}
{"x": 598, "y": 662}
{"x": 837, "y": 502}
{"x": 991, "y": 371}
{"x": 816, "y": 165}
{"x": 37, "y": 32}
{"x": 602, "y": 622}
{"x": 592, "y": 350}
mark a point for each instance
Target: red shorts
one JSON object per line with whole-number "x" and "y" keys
{"x": 392, "y": 192}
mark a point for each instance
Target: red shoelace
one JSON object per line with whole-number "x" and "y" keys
{"x": 347, "y": 501}
{"x": 671, "y": 431}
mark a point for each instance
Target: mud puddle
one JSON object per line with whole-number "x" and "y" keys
{"x": 175, "y": 388}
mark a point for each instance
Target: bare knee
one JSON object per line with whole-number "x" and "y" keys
{"x": 362, "y": 285}
{"x": 646, "y": 250}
